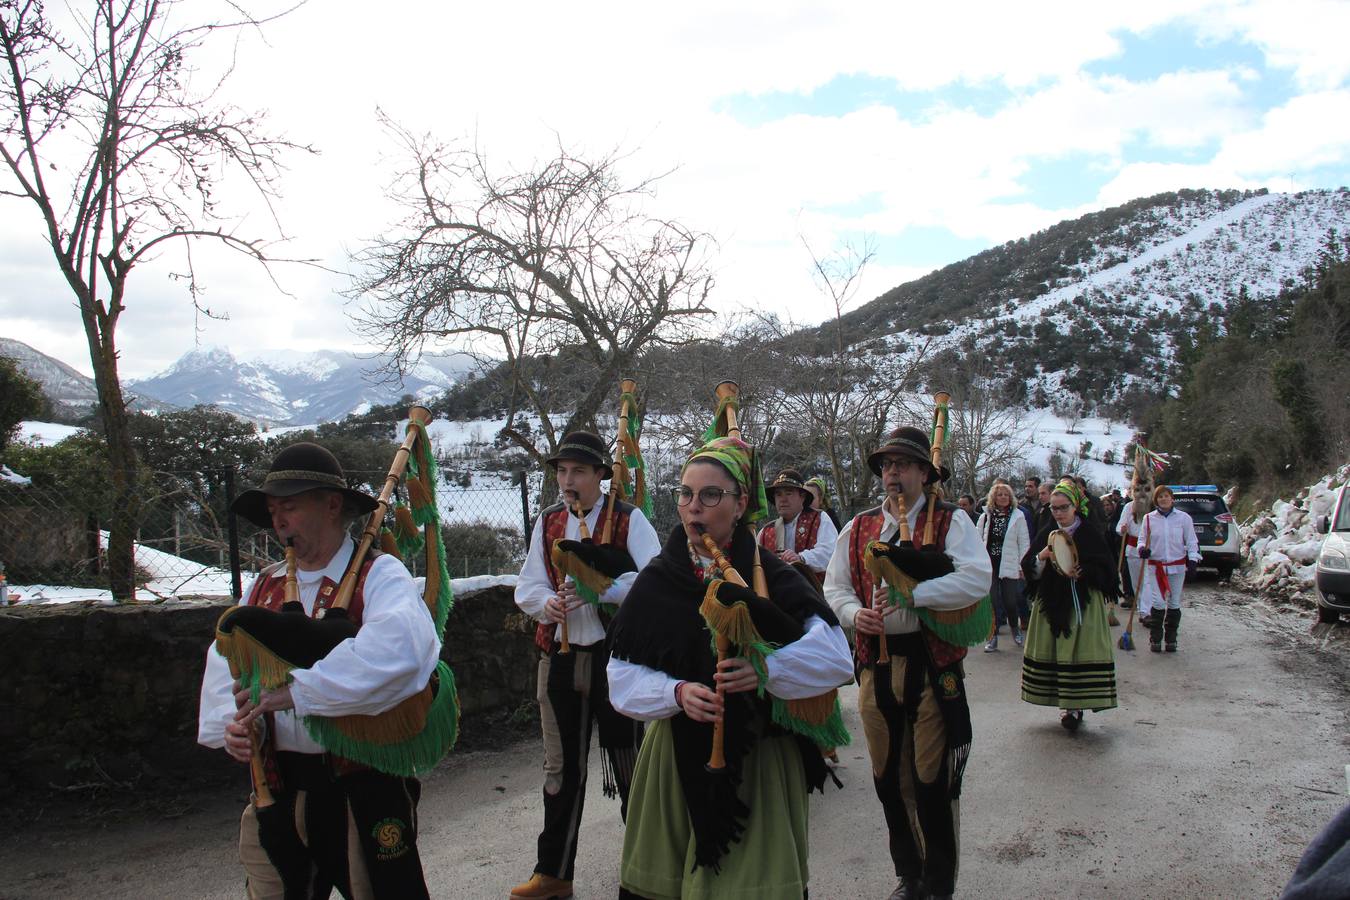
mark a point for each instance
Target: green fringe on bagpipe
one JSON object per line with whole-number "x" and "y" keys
{"x": 963, "y": 627}
{"x": 407, "y": 757}
{"x": 407, "y": 536}
{"x": 636, "y": 491}
{"x": 831, "y": 732}
{"x": 423, "y": 476}
{"x": 718, "y": 428}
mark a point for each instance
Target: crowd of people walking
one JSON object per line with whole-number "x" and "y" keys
{"x": 708, "y": 661}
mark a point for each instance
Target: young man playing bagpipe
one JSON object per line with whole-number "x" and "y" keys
{"x": 318, "y": 821}
{"x": 913, "y": 706}
{"x": 572, "y": 585}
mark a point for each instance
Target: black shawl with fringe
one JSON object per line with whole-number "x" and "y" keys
{"x": 659, "y": 626}
{"x": 1055, "y": 591}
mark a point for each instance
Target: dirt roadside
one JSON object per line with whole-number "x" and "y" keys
{"x": 1219, "y": 766}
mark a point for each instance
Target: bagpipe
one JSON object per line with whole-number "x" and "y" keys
{"x": 264, "y": 646}
{"x": 594, "y": 566}
{"x": 732, "y": 624}
{"x": 901, "y": 566}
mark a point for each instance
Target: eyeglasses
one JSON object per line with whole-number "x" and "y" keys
{"x": 708, "y": 496}
{"x": 899, "y": 463}
{"x": 1059, "y": 507}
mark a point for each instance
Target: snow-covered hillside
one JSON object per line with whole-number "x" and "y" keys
{"x": 1142, "y": 291}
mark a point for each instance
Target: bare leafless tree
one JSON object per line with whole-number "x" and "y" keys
{"x": 103, "y": 132}
{"x": 985, "y": 440}
{"x": 561, "y": 257}
{"x": 846, "y": 396}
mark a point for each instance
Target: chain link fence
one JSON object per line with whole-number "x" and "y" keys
{"x": 53, "y": 533}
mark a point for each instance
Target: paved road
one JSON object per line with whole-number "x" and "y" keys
{"x": 1219, "y": 766}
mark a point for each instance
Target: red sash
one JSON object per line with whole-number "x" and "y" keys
{"x": 867, "y": 528}
{"x": 555, "y": 529}
{"x": 1160, "y": 573}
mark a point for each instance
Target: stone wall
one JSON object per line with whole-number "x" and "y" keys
{"x": 111, "y": 692}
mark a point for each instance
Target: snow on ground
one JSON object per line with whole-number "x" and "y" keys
{"x": 167, "y": 576}
{"x": 7, "y": 474}
{"x": 1281, "y": 545}
{"x": 45, "y": 434}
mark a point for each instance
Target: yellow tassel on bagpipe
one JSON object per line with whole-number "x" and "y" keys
{"x": 404, "y": 526}
{"x": 881, "y": 567}
{"x": 419, "y": 494}
{"x": 581, "y": 573}
{"x": 732, "y": 622}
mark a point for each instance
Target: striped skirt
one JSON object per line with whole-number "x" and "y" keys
{"x": 1077, "y": 671}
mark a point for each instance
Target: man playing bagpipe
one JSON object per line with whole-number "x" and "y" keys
{"x": 911, "y": 697}
{"x": 572, "y": 585}
{"x": 802, "y": 535}
{"x": 317, "y": 821}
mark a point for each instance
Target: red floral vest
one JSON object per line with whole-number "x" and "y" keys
{"x": 555, "y": 529}
{"x": 808, "y": 528}
{"x": 867, "y": 528}
{"x": 269, "y": 591}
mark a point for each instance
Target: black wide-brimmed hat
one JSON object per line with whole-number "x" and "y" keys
{"x": 582, "y": 446}
{"x": 789, "y": 478}
{"x": 298, "y": 468}
{"x": 910, "y": 443}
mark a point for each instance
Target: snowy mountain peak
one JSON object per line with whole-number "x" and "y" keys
{"x": 291, "y": 387}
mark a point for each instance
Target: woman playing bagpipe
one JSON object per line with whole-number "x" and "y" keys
{"x": 1068, "y": 661}
{"x": 719, "y": 798}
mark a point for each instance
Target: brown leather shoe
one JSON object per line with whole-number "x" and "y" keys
{"x": 542, "y": 887}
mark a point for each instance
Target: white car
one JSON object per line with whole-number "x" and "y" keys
{"x": 1333, "y": 562}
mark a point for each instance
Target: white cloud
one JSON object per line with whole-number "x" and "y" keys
{"x": 516, "y": 77}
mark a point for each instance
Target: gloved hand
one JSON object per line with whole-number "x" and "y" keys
{"x": 1145, "y": 553}
{"x": 772, "y": 623}
{"x": 607, "y": 560}
{"x": 921, "y": 565}
{"x": 730, "y": 594}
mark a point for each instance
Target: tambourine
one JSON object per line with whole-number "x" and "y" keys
{"x": 1063, "y": 552}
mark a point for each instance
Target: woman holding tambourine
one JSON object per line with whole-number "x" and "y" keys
{"x": 1068, "y": 661}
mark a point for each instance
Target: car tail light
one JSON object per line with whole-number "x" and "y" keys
{"x": 1225, "y": 518}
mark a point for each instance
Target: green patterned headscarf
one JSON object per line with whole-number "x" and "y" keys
{"x": 824, "y": 491}
{"x": 1069, "y": 488}
{"x": 741, "y": 460}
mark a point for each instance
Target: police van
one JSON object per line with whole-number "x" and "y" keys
{"x": 1215, "y": 528}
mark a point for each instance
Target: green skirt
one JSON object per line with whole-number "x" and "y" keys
{"x": 769, "y": 862}
{"x": 1077, "y": 671}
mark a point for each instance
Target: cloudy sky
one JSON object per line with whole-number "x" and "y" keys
{"x": 937, "y": 130}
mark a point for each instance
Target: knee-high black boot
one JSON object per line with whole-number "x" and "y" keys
{"x": 1171, "y": 624}
{"x": 1155, "y": 630}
